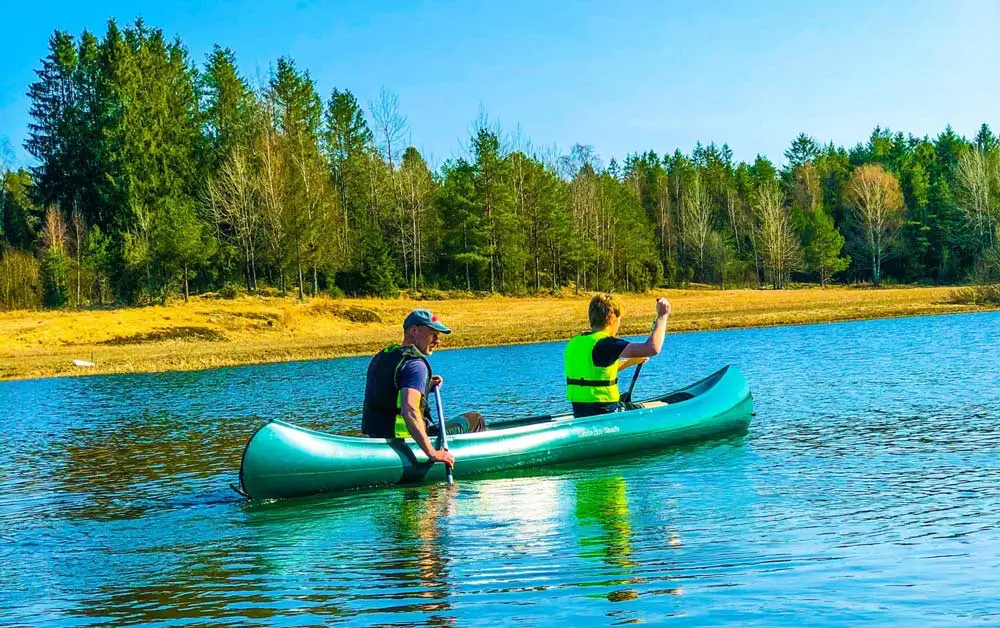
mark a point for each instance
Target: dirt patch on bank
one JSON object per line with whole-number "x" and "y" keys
{"x": 189, "y": 334}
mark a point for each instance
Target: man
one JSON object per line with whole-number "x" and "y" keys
{"x": 594, "y": 359}
{"x": 398, "y": 381}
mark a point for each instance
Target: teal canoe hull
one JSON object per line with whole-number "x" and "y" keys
{"x": 284, "y": 460}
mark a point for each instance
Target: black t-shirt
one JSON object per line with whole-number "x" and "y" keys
{"x": 605, "y": 352}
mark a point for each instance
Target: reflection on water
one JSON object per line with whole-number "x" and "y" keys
{"x": 420, "y": 558}
{"x": 603, "y": 501}
{"x": 866, "y": 492}
{"x": 121, "y": 470}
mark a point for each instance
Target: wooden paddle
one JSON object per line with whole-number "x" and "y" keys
{"x": 444, "y": 432}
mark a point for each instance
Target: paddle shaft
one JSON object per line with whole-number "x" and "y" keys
{"x": 627, "y": 397}
{"x": 444, "y": 432}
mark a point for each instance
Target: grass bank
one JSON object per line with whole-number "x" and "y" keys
{"x": 208, "y": 332}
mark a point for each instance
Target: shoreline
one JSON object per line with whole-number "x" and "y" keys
{"x": 212, "y": 333}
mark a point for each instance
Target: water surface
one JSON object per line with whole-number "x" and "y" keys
{"x": 867, "y": 491}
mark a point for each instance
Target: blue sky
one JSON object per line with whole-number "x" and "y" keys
{"x": 644, "y": 75}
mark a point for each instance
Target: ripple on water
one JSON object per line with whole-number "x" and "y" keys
{"x": 865, "y": 492}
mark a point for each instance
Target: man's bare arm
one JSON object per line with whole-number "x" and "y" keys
{"x": 415, "y": 424}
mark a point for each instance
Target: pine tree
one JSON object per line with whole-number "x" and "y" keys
{"x": 54, "y": 114}
{"x": 228, "y": 105}
{"x": 346, "y": 141}
{"x": 310, "y": 203}
{"x": 494, "y": 199}
{"x": 466, "y": 238}
{"x": 185, "y": 247}
{"x": 803, "y": 150}
{"x": 154, "y": 139}
{"x": 822, "y": 253}
{"x": 22, "y": 218}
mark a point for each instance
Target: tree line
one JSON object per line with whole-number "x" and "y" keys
{"x": 158, "y": 177}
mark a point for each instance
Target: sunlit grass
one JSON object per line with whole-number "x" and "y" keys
{"x": 213, "y": 332}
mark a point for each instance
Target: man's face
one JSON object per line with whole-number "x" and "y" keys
{"x": 426, "y": 339}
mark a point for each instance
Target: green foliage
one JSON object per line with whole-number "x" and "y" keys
{"x": 181, "y": 244}
{"x": 823, "y": 247}
{"x": 131, "y": 136}
{"x": 377, "y": 271}
{"x": 335, "y": 292}
{"x": 55, "y": 278}
{"x": 348, "y": 147}
{"x": 987, "y": 270}
{"x": 228, "y": 106}
{"x": 232, "y": 291}
{"x": 802, "y": 151}
{"x": 97, "y": 259}
{"x": 311, "y": 212}
{"x": 493, "y": 202}
{"x": 465, "y": 238}
{"x": 21, "y": 220}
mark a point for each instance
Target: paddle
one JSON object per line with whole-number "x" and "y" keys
{"x": 444, "y": 432}
{"x": 627, "y": 397}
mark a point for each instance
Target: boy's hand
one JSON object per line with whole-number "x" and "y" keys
{"x": 662, "y": 307}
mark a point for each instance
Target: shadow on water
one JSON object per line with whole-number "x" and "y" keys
{"x": 143, "y": 461}
{"x": 616, "y": 461}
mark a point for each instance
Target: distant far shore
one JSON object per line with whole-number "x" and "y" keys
{"x": 212, "y": 332}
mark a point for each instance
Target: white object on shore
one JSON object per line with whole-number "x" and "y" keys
{"x": 82, "y": 363}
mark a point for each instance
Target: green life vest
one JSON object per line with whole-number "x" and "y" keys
{"x": 585, "y": 381}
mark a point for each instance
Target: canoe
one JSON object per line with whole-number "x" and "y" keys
{"x": 284, "y": 460}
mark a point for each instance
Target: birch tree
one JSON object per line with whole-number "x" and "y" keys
{"x": 416, "y": 186}
{"x": 778, "y": 245}
{"x": 697, "y": 220}
{"x": 877, "y": 203}
{"x": 390, "y": 128}
{"x": 270, "y": 187}
{"x": 235, "y": 208}
{"x": 978, "y": 174}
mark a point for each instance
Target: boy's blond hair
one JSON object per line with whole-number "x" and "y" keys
{"x": 602, "y": 306}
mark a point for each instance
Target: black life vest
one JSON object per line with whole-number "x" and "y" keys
{"x": 381, "y": 416}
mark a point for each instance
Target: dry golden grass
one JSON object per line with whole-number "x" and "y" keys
{"x": 208, "y": 332}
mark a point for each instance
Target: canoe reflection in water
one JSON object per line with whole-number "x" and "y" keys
{"x": 396, "y": 545}
{"x": 420, "y": 545}
{"x": 424, "y": 554}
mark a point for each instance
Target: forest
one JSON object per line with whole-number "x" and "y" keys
{"x": 157, "y": 177}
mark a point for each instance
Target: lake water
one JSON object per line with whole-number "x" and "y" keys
{"x": 867, "y": 491}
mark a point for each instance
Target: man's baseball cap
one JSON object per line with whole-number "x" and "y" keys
{"x": 425, "y": 318}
